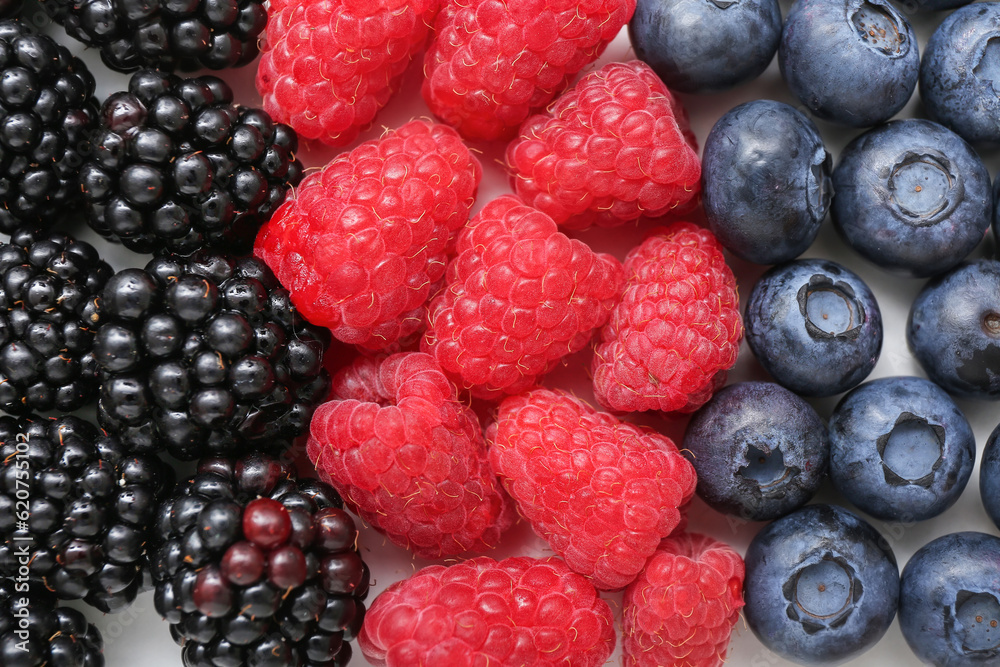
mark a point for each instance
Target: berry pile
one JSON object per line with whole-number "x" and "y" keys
{"x": 92, "y": 506}
{"x": 205, "y": 356}
{"x": 190, "y": 35}
{"x": 50, "y": 287}
{"x": 258, "y": 567}
{"x": 47, "y": 116}
{"x": 460, "y": 327}
{"x": 177, "y": 166}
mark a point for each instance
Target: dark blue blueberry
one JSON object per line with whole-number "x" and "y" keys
{"x": 701, "y": 46}
{"x": 814, "y": 326}
{"x": 821, "y": 585}
{"x": 759, "y": 450}
{"x": 996, "y": 216}
{"x": 989, "y": 476}
{"x": 765, "y": 181}
{"x": 954, "y": 329}
{"x": 958, "y": 71}
{"x": 912, "y": 197}
{"x": 949, "y": 601}
{"x": 853, "y": 62}
{"x": 900, "y": 449}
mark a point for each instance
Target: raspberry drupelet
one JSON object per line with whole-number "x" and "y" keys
{"x": 520, "y": 296}
{"x": 601, "y": 491}
{"x": 328, "y": 66}
{"x": 613, "y": 148}
{"x": 517, "y": 611}
{"x": 676, "y": 330}
{"x": 491, "y": 63}
{"x": 364, "y": 242}
{"x": 409, "y": 458}
{"x": 681, "y": 610}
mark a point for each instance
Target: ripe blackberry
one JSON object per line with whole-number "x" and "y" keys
{"x": 52, "y": 636}
{"x": 259, "y": 568}
{"x": 177, "y": 166}
{"x": 206, "y": 355}
{"x": 90, "y": 512}
{"x": 47, "y": 115}
{"x": 170, "y": 35}
{"x": 49, "y": 288}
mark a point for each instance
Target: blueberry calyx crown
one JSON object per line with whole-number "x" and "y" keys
{"x": 878, "y": 26}
{"x": 822, "y": 593}
{"x": 973, "y": 622}
{"x": 766, "y": 469}
{"x": 830, "y": 308}
{"x": 923, "y": 187}
{"x": 912, "y": 451}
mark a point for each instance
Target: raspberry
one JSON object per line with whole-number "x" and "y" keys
{"x": 602, "y": 492}
{"x": 517, "y": 611}
{"x": 408, "y": 457}
{"x": 328, "y": 66}
{"x": 676, "y": 330}
{"x": 493, "y": 63}
{"x": 682, "y": 608}
{"x": 364, "y": 242}
{"x": 611, "y": 149}
{"x": 520, "y": 296}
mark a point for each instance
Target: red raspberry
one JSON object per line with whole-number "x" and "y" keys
{"x": 520, "y": 296}
{"x": 518, "y": 611}
{"x": 602, "y": 492}
{"x": 408, "y": 457}
{"x": 611, "y": 149}
{"x": 492, "y": 63}
{"x": 364, "y": 242}
{"x": 682, "y": 608}
{"x": 328, "y": 66}
{"x": 676, "y": 330}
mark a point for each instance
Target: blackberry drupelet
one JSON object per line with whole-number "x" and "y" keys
{"x": 56, "y": 636}
{"x": 92, "y": 508}
{"x": 206, "y": 356}
{"x": 166, "y": 34}
{"x": 49, "y": 311}
{"x": 258, "y": 568}
{"x": 47, "y": 116}
{"x": 177, "y": 166}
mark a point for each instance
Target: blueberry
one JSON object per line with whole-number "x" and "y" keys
{"x": 765, "y": 181}
{"x": 957, "y": 74}
{"x": 853, "y": 62}
{"x": 912, "y": 197}
{"x": 814, "y": 326}
{"x": 989, "y": 476}
{"x": 759, "y": 450}
{"x": 954, "y": 329}
{"x": 700, "y": 46}
{"x": 900, "y": 449}
{"x": 821, "y": 585}
{"x": 949, "y": 603}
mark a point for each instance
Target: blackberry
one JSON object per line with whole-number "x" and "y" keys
{"x": 91, "y": 508}
{"x": 259, "y": 568}
{"x": 177, "y": 167}
{"x": 206, "y": 356}
{"x": 49, "y": 288}
{"x": 47, "y": 115}
{"x": 165, "y": 34}
{"x": 34, "y": 632}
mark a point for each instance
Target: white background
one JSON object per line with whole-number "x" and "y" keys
{"x": 139, "y": 636}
